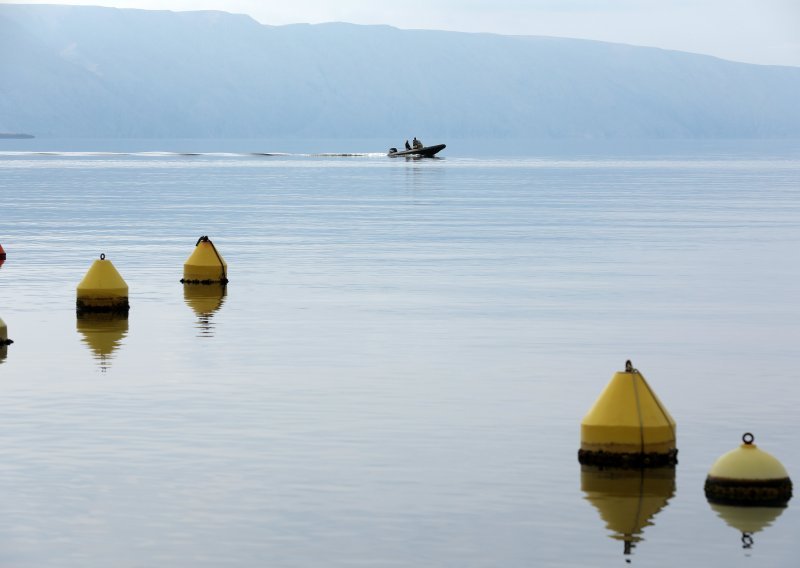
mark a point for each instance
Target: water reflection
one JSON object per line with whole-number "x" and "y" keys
{"x": 628, "y": 499}
{"x": 747, "y": 520}
{"x": 3, "y": 352}
{"x": 103, "y": 333}
{"x": 205, "y": 301}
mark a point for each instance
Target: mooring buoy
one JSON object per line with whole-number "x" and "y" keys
{"x": 748, "y": 476}
{"x": 102, "y": 290}
{"x": 205, "y": 265}
{"x": 4, "y": 340}
{"x": 628, "y": 426}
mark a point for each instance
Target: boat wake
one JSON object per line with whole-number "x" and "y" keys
{"x": 161, "y": 154}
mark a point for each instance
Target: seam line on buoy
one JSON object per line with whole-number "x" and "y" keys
{"x": 658, "y": 404}
{"x": 638, "y": 411}
{"x": 219, "y": 258}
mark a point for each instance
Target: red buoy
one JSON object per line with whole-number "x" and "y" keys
{"x": 2, "y": 253}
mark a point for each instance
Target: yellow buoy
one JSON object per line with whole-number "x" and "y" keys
{"x": 628, "y": 426}
{"x": 205, "y": 265}
{"x": 3, "y": 331}
{"x": 748, "y": 476}
{"x": 628, "y": 499}
{"x": 4, "y": 340}
{"x": 103, "y": 334}
{"x": 102, "y": 290}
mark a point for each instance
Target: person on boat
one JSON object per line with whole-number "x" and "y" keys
{"x": 417, "y": 143}
{"x": 408, "y": 146}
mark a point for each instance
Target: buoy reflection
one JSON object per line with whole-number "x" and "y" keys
{"x": 628, "y": 499}
{"x": 103, "y": 333}
{"x": 205, "y": 301}
{"x": 747, "y": 520}
{"x": 3, "y": 353}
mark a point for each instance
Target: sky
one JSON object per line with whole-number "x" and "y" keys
{"x": 753, "y": 31}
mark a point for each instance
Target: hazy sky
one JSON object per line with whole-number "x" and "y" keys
{"x": 755, "y": 31}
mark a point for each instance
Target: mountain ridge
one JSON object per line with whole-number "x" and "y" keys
{"x": 106, "y": 72}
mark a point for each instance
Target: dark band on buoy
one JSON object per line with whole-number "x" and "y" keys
{"x": 222, "y": 281}
{"x": 118, "y": 306}
{"x": 628, "y": 460}
{"x": 749, "y": 492}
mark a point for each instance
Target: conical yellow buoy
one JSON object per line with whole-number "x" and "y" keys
{"x": 102, "y": 290}
{"x": 103, "y": 333}
{"x": 628, "y": 499}
{"x": 628, "y": 426}
{"x": 748, "y": 476}
{"x": 205, "y": 265}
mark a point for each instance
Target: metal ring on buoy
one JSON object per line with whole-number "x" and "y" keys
{"x": 748, "y": 438}
{"x": 102, "y": 256}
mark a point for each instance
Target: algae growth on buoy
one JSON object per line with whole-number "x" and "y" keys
{"x": 628, "y": 426}
{"x": 102, "y": 290}
{"x": 205, "y": 265}
{"x": 748, "y": 476}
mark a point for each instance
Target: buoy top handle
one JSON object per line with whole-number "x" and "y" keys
{"x": 748, "y": 438}
{"x": 203, "y": 239}
{"x": 629, "y": 367}
{"x": 102, "y": 256}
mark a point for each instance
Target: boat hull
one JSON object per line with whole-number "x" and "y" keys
{"x": 425, "y": 151}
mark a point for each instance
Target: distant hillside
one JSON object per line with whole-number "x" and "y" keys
{"x": 103, "y": 72}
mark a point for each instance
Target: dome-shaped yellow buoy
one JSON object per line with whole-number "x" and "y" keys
{"x": 748, "y": 476}
{"x": 4, "y": 340}
{"x": 205, "y": 265}
{"x": 102, "y": 290}
{"x": 3, "y": 331}
{"x": 628, "y": 426}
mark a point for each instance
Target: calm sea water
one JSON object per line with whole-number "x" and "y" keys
{"x": 397, "y": 373}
